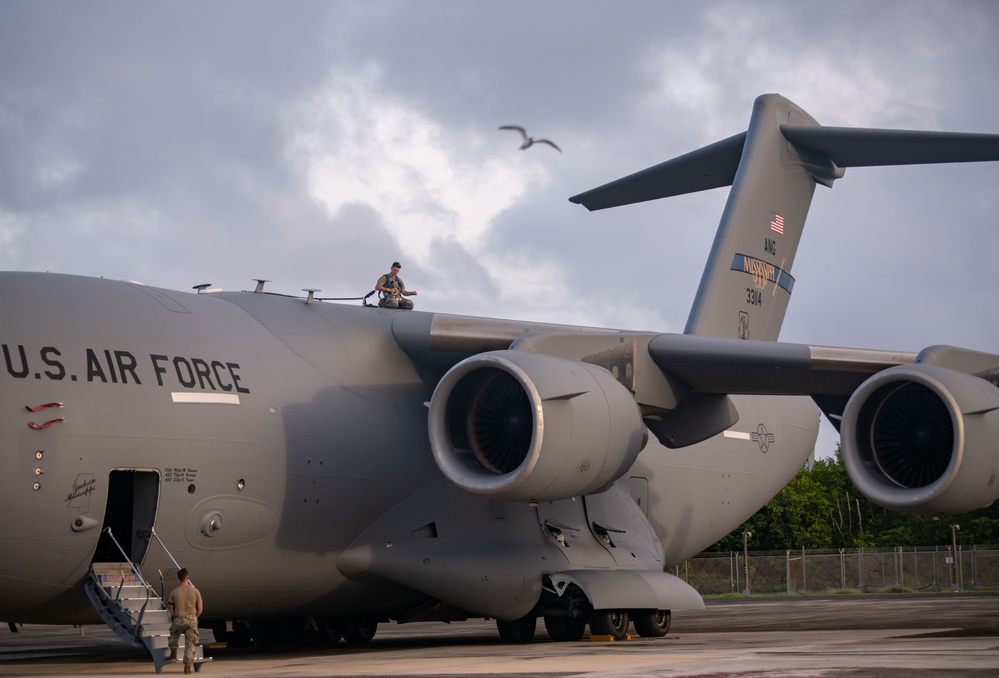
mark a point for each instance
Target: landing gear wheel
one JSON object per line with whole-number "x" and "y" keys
{"x": 613, "y": 623}
{"x": 359, "y": 631}
{"x": 564, "y": 629}
{"x": 519, "y": 630}
{"x": 652, "y": 623}
{"x": 330, "y": 630}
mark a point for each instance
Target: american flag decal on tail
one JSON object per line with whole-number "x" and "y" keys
{"x": 777, "y": 224}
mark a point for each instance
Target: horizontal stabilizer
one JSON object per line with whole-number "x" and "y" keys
{"x": 853, "y": 147}
{"x": 710, "y": 167}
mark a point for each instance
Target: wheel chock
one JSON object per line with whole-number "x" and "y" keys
{"x": 608, "y": 638}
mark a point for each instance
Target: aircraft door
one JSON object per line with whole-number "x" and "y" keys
{"x": 130, "y": 513}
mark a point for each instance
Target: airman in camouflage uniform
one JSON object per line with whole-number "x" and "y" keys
{"x": 394, "y": 290}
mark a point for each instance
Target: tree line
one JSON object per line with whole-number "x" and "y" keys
{"x": 822, "y": 509}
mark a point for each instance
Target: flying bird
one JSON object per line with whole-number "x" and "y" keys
{"x": 530, "y": 141}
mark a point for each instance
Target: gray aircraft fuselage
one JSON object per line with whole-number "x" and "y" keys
{"x": 296, "y": 427}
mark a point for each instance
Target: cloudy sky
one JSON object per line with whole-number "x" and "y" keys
{"x": 312, "y": 143}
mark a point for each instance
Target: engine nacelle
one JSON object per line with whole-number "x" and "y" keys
{"x": 522, "y": 426}
{"x": 923, "y": 439}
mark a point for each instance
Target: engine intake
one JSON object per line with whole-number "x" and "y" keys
{"x": 922, "y": 439}
{"x": 522, "y": 426}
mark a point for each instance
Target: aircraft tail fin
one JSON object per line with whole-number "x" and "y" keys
{"x": 773, "y": 168}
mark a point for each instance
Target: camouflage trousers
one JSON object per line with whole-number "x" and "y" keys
{"x": 396, "y": 301}
{"x": 187, "y": 625}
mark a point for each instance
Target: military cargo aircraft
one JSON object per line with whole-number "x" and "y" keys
{"x": 322, "y": 468}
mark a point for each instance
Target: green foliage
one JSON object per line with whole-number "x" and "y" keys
{"x": 822, "y": 509}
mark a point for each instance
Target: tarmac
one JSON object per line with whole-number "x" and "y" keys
{"x": 915, "y": 636}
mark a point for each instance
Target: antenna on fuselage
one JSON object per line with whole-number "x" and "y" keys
{"x": 312, "y": 294}
{"x": 260, "y": 285}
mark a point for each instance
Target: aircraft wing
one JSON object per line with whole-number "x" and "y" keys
{"x": 736, "y": 366}
{"x": 699, "y": 364}
{"x": 666, "y": 373}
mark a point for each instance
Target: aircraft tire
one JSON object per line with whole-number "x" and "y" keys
{"x": 359, "y": 630}
{"x": 613, "y": 623}
{"x": 519, "y": 630}
{"x": 564, "y": 629}
{"x": 652, "y": 623}
{"x": 330, "y": 630}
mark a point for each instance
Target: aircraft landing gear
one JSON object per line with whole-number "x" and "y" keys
{"x": 613, "y": 623}
{"x": 519, "y": 630}
{"x": 565, "y": 629}
{"x": 330, "y": 630}
{"x": 565, "y": 616}
{"x": 358, "y": 630}
{"x": 652, "y": 623}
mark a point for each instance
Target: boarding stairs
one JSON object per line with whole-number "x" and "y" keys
{"x": 137, "y": 613}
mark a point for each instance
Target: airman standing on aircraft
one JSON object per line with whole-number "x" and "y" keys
{"x": 394, "y": 289}
{"x": 185, "y": 607}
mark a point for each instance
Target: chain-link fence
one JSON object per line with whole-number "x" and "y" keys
{"x": 923, "y": 568}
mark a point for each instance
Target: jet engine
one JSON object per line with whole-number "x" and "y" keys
{"x": 515, "y": 425}
{"x": 923, "y": 439}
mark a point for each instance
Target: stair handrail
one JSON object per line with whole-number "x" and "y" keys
{"x": 135, "y": 570}
{"x": 152, "y": 531}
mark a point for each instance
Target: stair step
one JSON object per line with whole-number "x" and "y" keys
{"x": 156, "y": 616}
{"x": 180, "y": 660}
{"x": 121, "y": 598}
{"x": 153, "y": 626}
{"x": 163, "y": 642}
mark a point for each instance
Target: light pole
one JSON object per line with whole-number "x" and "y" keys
{"x": 745, "y": 554}
{"x": 953, "y": 554}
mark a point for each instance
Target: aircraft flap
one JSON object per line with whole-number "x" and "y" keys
{"x": 736, "y": 366}
{"x": 852, "y": 147}
{"x": 632, "y": 589}
{"x": 713, "y": 166}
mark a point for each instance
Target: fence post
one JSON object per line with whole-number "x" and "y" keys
{"x": 745, "y": 548}
{"x": 974, "y": 567}
{"x": 936, "y": 569}
{"x": 955, "y": 568}
{"x": 733, "y": 568}
{"x": 804, "y": 581}
{"x": 958, "y": 564}
{"x": 787, "y": 565}
{"x": 842, "y": 568}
